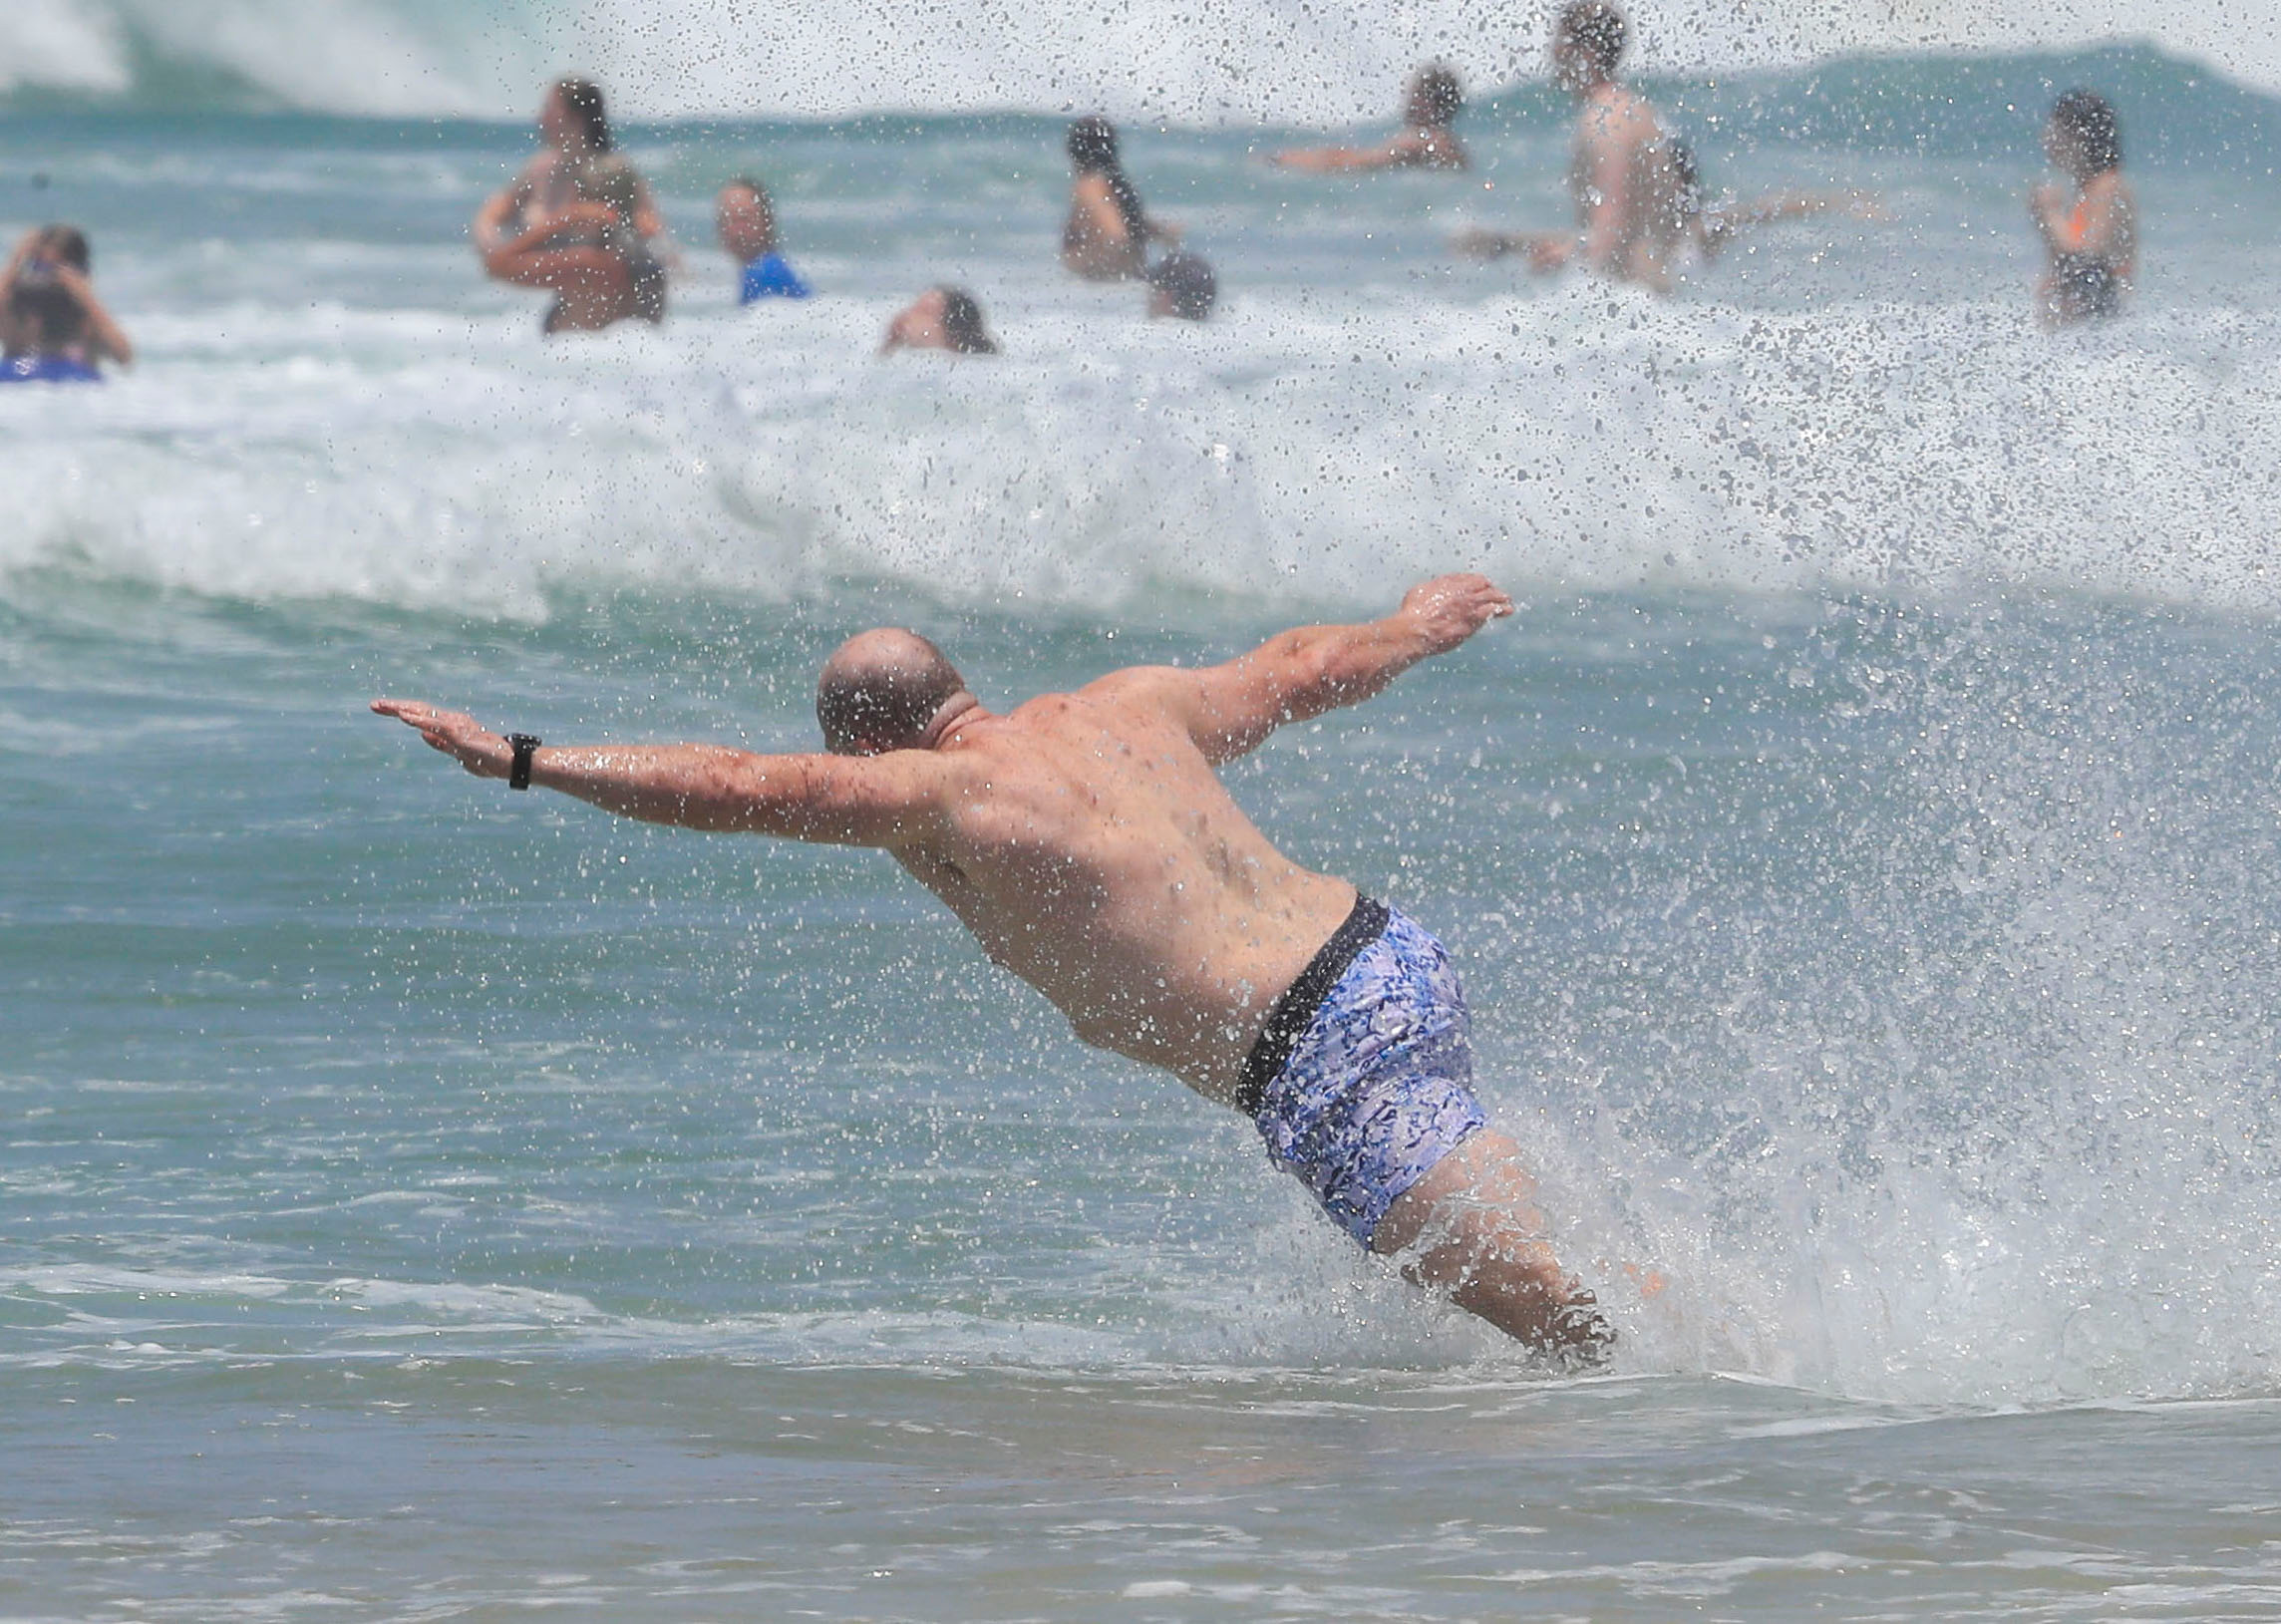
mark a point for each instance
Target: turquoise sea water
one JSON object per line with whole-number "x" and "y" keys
{"x": 426, "y": 1203}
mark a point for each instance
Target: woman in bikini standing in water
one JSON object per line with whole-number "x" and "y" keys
{"x": 576, "y": 128}
{"x": 590, "y": 254}
{"x": 1106, "y": 235}
{"x": 2092, "y": 236}
{"x": 546, "y": 228}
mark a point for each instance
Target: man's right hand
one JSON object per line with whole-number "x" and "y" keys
{"x": 1449, "y": 608}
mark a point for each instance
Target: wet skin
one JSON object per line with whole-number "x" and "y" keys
{"x": 1087, "y": 842}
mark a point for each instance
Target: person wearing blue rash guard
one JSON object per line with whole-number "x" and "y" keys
{"x": 747, "y": 226}
{"x": 47, "y": 369}
{"x": 53, "y": 329}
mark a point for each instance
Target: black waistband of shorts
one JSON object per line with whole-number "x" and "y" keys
{"x": 1295, "y": 1011}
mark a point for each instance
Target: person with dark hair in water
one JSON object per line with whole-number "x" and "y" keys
{"x": 1620, "y": 170}
{"x": 1425, "y": 142}
{"x": 1087, "y": 842}
{"x": 747, "y": 220}
{"x": 942, "y": 318}
{"x": 576, "y": 128}
{"x": 2090, "y": 235}
{"x": 1183, "y": 285}
{"x": 589, "y": 254}
{"x": 53, "y": 329}
{"x": 1106, "y": 235}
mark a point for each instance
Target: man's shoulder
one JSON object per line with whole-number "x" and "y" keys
{"x": 1132, "y": 699}
{"x": 1617, "y": 111}
{"x": 1151, "y": 686}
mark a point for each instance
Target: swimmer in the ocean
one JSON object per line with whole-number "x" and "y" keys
{"x": 748, "y": 224}
{"x": 590, "y": 254}
{"x": 576, "y": 128}
{"x": 1106, "y": 235}
{"x": 942, "y": 318}
{"x": 1182, "y": 287}
{"x": 2091, "y": 234}
{"x": 1087, "y": 842}
{"x": 53, "y": 329}
{"x": 1620, "y": 171}
{"x": 1425, "y": 142}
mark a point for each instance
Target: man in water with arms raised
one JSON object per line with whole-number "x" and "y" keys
{"x": 1621, "y": 172}
{"x": 1087, "y": 842}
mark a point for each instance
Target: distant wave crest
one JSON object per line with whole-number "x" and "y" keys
{"x": 1238, "y": 64}
{"x": 1881, "y": 449}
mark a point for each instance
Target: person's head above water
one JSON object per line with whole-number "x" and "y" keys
{"x": 942, "y": 318}
{"x": 889, "y": 689}
{"x": 1093, "y": 147}
{"x": 1436, "y": 98}
{"x": 1183, "y": 285}
{"x": 67, "y": 245}
{"x": 1588, "y": 44}
{"x": 573, "y": 120}
{"x": 747, "y": 219}
{"x": 2084, "y": 137}
{"x": 962, "y": 328}
{"x": 48, "y": 313}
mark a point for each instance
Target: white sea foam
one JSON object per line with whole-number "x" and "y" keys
{"x": 1581, "y": 439}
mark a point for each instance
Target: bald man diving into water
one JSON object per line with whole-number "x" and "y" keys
{"x": 1087, "y": 842}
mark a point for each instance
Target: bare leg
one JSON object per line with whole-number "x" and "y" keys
{"x": 1472, "y": 1229}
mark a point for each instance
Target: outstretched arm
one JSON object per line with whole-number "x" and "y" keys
{"x": 534, "y": 259}
{"x": 1419, "y": 147}
{"x": 1341, "y": 160}
{"x": 847, "y": 801}
{"x": 1231, "y": 709}
{"x": 502, "y": 207}
{"x": 12, "y": 334}
{"x": 1545, "y": 250}
{"x": 107, "y": 336}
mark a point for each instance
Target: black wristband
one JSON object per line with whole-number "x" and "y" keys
{"x": 518, "y": 772}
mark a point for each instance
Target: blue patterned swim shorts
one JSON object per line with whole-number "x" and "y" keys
{"x": 1362, "y": 1080}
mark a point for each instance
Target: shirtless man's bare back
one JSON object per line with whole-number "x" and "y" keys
{"x": 1620, "y": 170}
{"x": 1087, "y": 842}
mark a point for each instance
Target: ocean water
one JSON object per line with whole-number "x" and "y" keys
{"x": 426, "y": 1203}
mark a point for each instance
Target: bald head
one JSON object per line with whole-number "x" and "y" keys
{"x": 885, "y": 690}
